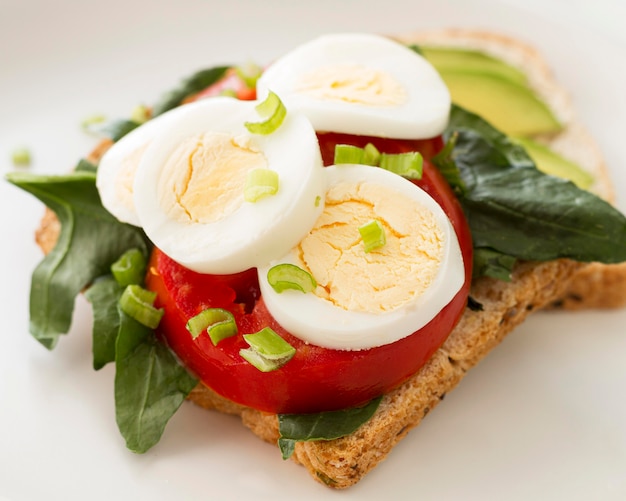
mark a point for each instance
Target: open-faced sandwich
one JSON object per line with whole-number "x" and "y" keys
{"x": 327, "y": 246}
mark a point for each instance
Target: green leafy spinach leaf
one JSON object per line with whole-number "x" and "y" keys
{"x": 515, "y": 210}
{"x": 104, "y": 294}
{"x": 195, "y": 83}
{"x": 321, "y": 426}
{"x": 90, "y": 240}
{"x": 150, "y": 384}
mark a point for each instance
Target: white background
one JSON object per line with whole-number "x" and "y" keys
{"x": 543, "y": 417}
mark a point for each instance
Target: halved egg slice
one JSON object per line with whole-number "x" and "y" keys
{"x": 367, "y": 297}
{"x": 219, "y": 199}
{"x": 117, "y": 167}
{"x": 361, "y": 84}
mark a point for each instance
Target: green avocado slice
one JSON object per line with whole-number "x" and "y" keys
{"x": 450, "y": 58}
{"x": 554, "y": 164}
{"x": 509, "y": 106}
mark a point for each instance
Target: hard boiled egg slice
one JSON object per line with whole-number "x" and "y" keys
{"x": 117, "y": 167}
{"x": 368, "y": 299}
{"x": 361, "y": 84}
{"x": 189, "y": 189}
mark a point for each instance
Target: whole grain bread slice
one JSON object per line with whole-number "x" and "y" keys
{"x": 343, "y": 462}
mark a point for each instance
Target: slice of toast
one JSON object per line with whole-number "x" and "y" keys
{"x": 343, "y": 462}
{"x": 597, "y": 285}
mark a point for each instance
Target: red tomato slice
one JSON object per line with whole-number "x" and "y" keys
{"x": 315, "y": 379}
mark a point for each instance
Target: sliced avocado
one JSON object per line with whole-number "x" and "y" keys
{"x": 554, "y": 164}
{"x": 509, "y": 106}
{"x": 449, "y": 58}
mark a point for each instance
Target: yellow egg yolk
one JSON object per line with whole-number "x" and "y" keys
{"x": 203, "y": 180}
{"x": 386, "y": 278}
{"x": 355, "y": 84}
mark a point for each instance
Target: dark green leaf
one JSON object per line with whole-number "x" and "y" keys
{"x": 85, "y": 165}
{"x": 494, "y": 264}
{"x": 104, "y": 295}
{"x": 515, "y": 209}
{"x": 90, "y": 240}
{"x": 115, "y": 129}
{"x": 150, "y": 385}
{"x": 444, "y": 161}
{"x": 415, "y": 48}
{"x": 323, "y": 425}
{"x": 195, "y": 83}
{"x": 286, "y": 446}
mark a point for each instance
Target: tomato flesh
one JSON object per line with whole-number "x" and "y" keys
{"x": 315, "y": 379}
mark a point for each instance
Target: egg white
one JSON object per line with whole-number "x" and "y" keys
{"x": 111, "y": 163}
{"x": 320, "y": 322}
{"x": 254, "y": 233}
{"x": 424, "y": 114}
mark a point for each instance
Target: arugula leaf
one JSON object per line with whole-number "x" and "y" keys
{"x": 321, "y": 426}
{"x": 104, "y": 295}
{"x": 515, "y": 209}
{"x": 195, "y": 83}
{"x": 150, "y": 384}
{"x": 90, "y": 240}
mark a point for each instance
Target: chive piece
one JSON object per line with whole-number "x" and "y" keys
{"x": 348, "y": 154}
{"x": 140, "y": 114}
{"x": 274, "y": 110}
{"x": 373, "y": 235}
{"x": 371, "y": 155}
{"x": 289, "y": 276}
{"x": 88, "y": 122}
{"x": 249, "y": 73}
{"x": 408, "y": 165}
{"x": 260, "y": 183}
{"x": 21, "y": 157}
{"x": 318, "y": 200}
{"x": 219, "y": 324}
{"x": 137, "y": 303}
{"x": 130, "y": 268}
{"x": 268, "y": 351}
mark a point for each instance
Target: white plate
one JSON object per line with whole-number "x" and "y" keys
{"x": 543, "y": 417}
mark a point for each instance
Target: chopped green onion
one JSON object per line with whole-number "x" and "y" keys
{"x": 268, "y": 351}
{"x": 275, "y": 111}
{"x": 348, "y": 154}
{"x": 219, "y": 324}
{"x": 318, "y": 199}
{"x": 92, "y": 120}
{"x": 137, "y": 302}
{"x": 140, "y": 114}
{"x": 228, "y": 93}
{"x": 130, "y": 268}
{"x": 289, "y": 276}
{"x": 373, "y": 235}
{"x": 21, "y": 157}
{"x": 260, "y": 183}
{"x": 371, "y": 155}
{"x": 249, "y": 73}
{"x": 408, "y": 165}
